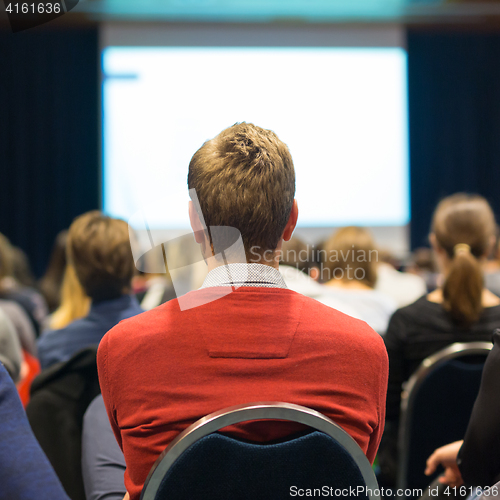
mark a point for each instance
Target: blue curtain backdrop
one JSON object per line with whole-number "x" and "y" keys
{"x": 454, "y": 102}
{"x": 49, "y": 134}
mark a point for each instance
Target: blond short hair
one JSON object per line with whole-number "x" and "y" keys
{"x": 244, "y": 178}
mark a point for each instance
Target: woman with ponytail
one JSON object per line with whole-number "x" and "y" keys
{"x": 460, "y": 310}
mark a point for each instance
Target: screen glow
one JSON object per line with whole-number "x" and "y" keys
{"x": 341, "y": 111}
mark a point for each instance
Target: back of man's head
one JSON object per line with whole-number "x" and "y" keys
{"x": 244, "y": 178}
{"x": 99, "y": 249}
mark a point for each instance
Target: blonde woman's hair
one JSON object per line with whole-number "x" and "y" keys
{"x": 75, "y": 303}
{"x": 464, "y": 226}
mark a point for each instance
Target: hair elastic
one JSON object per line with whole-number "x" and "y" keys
{"x": 461, "y": 248}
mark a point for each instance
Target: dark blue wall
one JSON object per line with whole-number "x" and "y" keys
{"x": 49, "y": 134}
{"x": 454, "y": 100}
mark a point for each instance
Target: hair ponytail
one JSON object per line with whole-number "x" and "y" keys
{"x": 463, "y": 226}
{"x": 463, "y": 288}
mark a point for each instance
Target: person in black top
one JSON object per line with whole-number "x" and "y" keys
{"x": 475, "y": 461}
{"x": 461, "y": 310}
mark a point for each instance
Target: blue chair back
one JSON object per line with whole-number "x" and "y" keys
{"x": 436, "y": 406}
{"x": 212, "y": 466}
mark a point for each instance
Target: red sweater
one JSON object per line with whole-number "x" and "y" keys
{"x": 164, "y": 369}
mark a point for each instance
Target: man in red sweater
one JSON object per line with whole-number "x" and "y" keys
{"x": 243, "y": 337}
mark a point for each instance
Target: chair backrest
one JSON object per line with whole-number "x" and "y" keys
{"x": 436, "y": 406}
{"x": 200, "y": 464}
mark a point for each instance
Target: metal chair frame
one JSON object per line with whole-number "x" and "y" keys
{"x": 257, "y": 411}
{"x": 411, "y": 387}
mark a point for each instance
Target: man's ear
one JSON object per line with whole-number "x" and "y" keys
{"x": 196, "y": 225}
{"x": 292, "y": 222}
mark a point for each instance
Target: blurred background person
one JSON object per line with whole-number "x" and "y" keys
{"x": 461, "y": 310}
{"x": 11, "y": 355}
{"x": 153, "y": 289}
{"x": 11, "y": 289}
{"x": 21, "y": 270}
{"x": 22, "y": 324}
{"x": 25, "y": 471}
{"x": 100, "y": 270}
{"x": 349, "y": 269}
{"x": 51, "y": 282}
{"x": 492, "y": 268}
{"x": 423, "y": 264}
{"x": 299, "y": 268}
{"x": 404, "y": 288}
{"x": 100, "y": 254}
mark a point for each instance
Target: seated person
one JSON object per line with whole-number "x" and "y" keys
{"x": 51, "y": 282}
{"x": 349, "y": 268}
{"x": 24, "y": 327}
{"x": 11, "y": 354}
{"x": 475, "y": 461}
{"x": 243, "y": 337}
{"x": 299, "y": 269}
{"x": 404, "y": 288}
{"x": 423, "y": 264}
{"x": 21, "y": 270}
{"x": 99, "y": 250}
{"x": 25, "y": 471}
{"x": 492, "y": 268}
{"x": 462, "y": 310}
{"x": 153, "y": 289}
{"x": 11, "y": 289}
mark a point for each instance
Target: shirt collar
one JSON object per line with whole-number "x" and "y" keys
{"x": 241, "y": 274}
{"x": 123, "y": 302}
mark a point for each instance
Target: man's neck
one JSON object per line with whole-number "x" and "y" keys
{"x": 215, "y": 263}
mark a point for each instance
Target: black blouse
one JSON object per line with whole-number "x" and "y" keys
{"x": 421, "y": 329}
{"x": 479, "y": 458}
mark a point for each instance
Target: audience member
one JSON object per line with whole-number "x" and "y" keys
{"x": 243, "y": 337}
{"x": 404, "y": 288}
{"x": 10, "y": 289}
{"x": 51, "y": 282}
{"x": 21, "y": 270}
{"x": 60, "y": 395}
{"x": 423, "y": 264}
{"x": 492, "y": 267}
{"x": 74, "y": 303}
{"x": 475, "y": 461}
{"x": 25, "y": 331}
{"x": 11, "y": 355}
{"x": 24, "y": 327}
{"x": 462, "y": 310}
{"x": 349, "y": 268}
{"x": 299, "y": 268}
{"x": 99, "y": 250}
{"x": 25, "y": 472}
{"x": 153, "y": 289}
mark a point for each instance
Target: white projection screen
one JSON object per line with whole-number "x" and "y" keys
{"x": 336, "y": 96}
